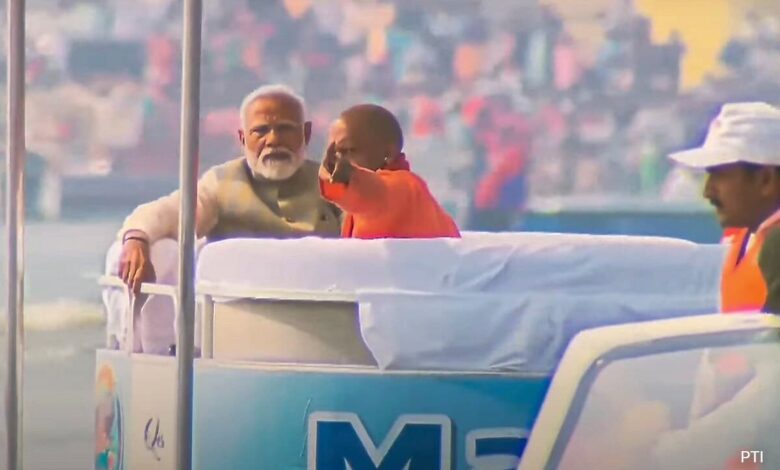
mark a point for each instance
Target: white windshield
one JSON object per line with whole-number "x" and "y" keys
{"x": 702, "y": 408}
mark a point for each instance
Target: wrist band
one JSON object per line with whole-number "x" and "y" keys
{"x": 135, "y": 237}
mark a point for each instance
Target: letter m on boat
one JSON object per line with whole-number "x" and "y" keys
{"x": 339, "y": 441}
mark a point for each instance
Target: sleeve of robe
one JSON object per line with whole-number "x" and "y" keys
{"x": 159, "y": 219}
{"x": 369, "y": 193}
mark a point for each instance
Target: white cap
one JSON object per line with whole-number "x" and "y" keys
{"x": 742, "y": 133}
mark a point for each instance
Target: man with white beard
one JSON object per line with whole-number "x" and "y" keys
{"x": 271, "y": 191}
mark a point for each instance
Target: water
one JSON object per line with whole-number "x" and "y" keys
{"x": 63, "y": 259}
{"x": 64, "y": 326}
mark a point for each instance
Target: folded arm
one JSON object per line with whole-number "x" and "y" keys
{"x": 159, "y": 219}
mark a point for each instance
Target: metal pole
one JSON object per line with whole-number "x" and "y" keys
{"x": 188, "y": 178}
{"x": 14, "y": 217}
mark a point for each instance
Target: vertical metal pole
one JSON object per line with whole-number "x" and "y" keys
{"x": 188, "y": 177}
{"x": 14, "y": 216}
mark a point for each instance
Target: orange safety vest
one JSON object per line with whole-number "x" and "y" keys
{"x": 743, "y": 288}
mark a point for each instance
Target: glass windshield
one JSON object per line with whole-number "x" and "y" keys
{"x": 692, "y": 408}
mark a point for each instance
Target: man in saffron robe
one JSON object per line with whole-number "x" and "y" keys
{"x": 366, "y": 174}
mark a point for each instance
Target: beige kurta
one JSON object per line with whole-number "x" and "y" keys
{"x": 232, "y": 204}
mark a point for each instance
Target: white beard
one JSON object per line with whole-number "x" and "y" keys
{"x": 274, "y": 170}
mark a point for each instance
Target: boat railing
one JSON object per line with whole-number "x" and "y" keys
{"x": 207, "y": 294}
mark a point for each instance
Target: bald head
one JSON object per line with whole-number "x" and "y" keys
{"x": 376, "y": 122}
{"x": 369, "y": 133}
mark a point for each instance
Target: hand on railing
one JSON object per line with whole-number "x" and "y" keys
{"x": 135, "y": 264}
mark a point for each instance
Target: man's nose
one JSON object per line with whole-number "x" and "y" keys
{"x": 272, "y": 138}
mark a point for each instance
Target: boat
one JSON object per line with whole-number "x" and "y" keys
{"x": 419, "y": 354}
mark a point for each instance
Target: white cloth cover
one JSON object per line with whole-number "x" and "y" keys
{"x": 521, "y": 333}
{"x": 488, "y": 301}
{"x": 509, "y": 263}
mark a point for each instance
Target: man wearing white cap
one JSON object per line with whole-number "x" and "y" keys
{"x": 741, "y": 156}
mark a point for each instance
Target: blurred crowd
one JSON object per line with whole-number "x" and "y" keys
{"x": 498, "y": 101}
